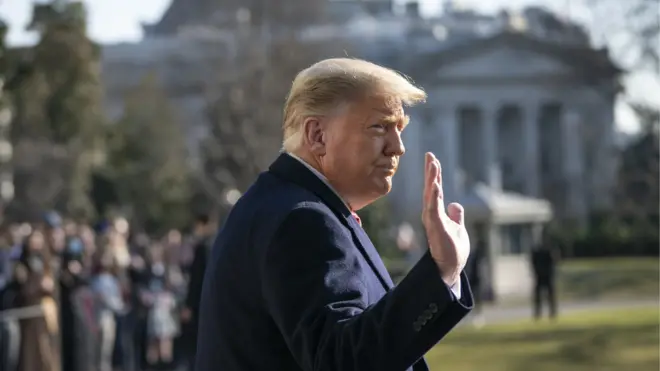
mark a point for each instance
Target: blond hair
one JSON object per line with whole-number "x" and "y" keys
{"x": 328, "y": 84}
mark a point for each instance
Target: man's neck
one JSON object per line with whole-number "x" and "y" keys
{"x": 315, "y": 167}
{"x": 309, "y": 160}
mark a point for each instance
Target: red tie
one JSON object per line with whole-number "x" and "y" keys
{"x": 357, "y": 218}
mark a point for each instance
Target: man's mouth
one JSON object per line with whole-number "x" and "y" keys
{"x": 388, "y": 169}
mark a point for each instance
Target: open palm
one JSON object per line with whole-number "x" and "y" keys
{"x": 447, "y": 237}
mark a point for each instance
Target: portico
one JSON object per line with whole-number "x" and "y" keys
{"x": 523, "y": 110}
{"x": 511, "y": 146}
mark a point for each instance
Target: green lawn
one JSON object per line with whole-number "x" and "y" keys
{"x": 613, "y": 278}
{"x": 611, "y": 340}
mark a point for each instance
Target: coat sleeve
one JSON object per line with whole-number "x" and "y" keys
{"x": 314, "y": 288}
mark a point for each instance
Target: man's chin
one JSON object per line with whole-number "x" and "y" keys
{"x": 378, "y": 188}
{"x": 384, "y": 185}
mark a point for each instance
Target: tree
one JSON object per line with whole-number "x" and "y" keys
{"x": 632, "y": 227}
{"x": 147, "y": 160}
{"x": 639, "y": 174}
{"x": 58, "y": 122}
{"x": 246, "y": 100}
{"x": 631, "y": 29}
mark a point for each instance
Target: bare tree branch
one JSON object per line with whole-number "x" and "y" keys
{"x": 246, "y": 99}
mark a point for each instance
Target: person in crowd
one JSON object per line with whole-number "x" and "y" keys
{"x": 6, "y": 264}
{"x": 544, "y": 259}
{"x": 139, "y": 299}
{"x": 34, "y": 273}
{"x": 107, "y": 288}
{"x": 116, "y": 234}
{"x": 88, "y": 238}
{"x": 11, "y": 250}
{"x": 55, "y": 235}
{"x": 71, "y": 278}
{"x": 117, "y": 237}
{"x": 10, "y": 335}
{"x": 173, "y": 255}
{"x": 173, "y": 246}
{"x": 21, "y": 233}
{"x": 161, "y": 322}
{"x": 203, "y": 231}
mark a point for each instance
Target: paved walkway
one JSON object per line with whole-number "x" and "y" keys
{"x": 500, "y": 314}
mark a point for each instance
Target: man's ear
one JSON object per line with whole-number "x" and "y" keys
{"x": 314, "y": 135}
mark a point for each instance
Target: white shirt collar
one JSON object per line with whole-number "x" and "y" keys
{"x": 320, "y": 176}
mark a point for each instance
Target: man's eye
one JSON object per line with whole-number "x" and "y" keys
{"x": 379, "y": 127}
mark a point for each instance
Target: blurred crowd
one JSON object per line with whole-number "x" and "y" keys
{"x": 80, "y": 297}
{"x": 76, "y": 297}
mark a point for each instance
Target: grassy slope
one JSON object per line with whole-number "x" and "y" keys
{"x": 612, "y": 278}
{"x": 603, "y": 341}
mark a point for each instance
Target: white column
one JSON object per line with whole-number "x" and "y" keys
{"x": 449, "y": 153}
{"x": 497, "y": 277}
{"x": 409, "y": 181}
{"x": 531, "y": 149}
{"x": 489, "y": 140}
{"x": 607, "y": 161}
{"x": 573, "y": 163}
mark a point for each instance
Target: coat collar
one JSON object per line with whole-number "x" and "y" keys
{"x": 289, "y": 168}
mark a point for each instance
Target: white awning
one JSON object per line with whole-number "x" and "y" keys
{"x": 483, "y": 203}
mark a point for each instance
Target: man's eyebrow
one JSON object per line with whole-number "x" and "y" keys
{"x": 396, "y": 119}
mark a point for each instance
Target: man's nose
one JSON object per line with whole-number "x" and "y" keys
{"x": 395, "y": 145}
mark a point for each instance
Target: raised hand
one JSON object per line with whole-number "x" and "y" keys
{"x": 448, "y": 239}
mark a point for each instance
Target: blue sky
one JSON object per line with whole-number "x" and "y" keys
{"x": 113, "y": 21}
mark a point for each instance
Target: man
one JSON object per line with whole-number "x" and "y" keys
{"x": 293, "y": 281}
{"x": 473, "y": 268}
{"x": 190, "y": 314}
{"x": 6, "y": 248}
{"x": 71, "y": 279}
{"x": 10, "y": 331}
{"x": 544, "y": 259}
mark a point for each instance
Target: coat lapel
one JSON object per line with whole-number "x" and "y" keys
{"x": 290, "y": 169}
{"x": 370, "y": 252}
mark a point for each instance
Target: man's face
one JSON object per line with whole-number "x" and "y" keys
{"x": 362, "y": 147}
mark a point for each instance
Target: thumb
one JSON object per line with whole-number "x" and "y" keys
{"x": 456, "y": 213}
